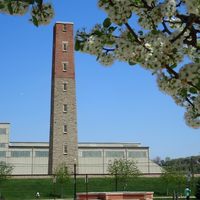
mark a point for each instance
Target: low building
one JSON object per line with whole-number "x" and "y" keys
{"x": 31, "y": 158}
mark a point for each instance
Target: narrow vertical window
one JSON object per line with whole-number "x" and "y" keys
{"x": 64, "y": 45}
{"x": 65, "y": 129}
{"x": 65, "y": 108}
{"x": 64, "y": 149}
{"x": 64, "y": 86}
{"x": 64, "y": 27}
{"x": 64, "y": 65}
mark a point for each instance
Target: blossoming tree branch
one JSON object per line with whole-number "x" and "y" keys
{"x": 159, "y": 36}
{"x": 41, "y": 13}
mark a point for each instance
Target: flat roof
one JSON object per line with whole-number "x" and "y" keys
{"x": 28, "y": 144}
{"x": 80, "y": 145}
{"x": 108, "y": 144}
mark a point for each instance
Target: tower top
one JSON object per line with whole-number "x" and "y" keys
{"x": 60, "y": 22}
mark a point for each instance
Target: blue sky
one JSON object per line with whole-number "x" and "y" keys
{"x": 116, "y": 104}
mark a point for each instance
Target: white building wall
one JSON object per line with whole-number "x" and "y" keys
{"x": 88, "y": 163}
{"x": 28, "y": 162}
{"x": 93, "y": 158}
{"x": 4, "y": 141}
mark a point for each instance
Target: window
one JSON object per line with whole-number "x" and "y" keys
{"x": 2, "y": 131}
{"x": 20, "y": 154}
{"x": 64, "y": 65}
{"x": 64, "y": 149}
{"x": 115, "y": 154}
{"x": 64, "y": 27}
{"x": 137, "y": 154}
{"x": 87, "y": 154}
{"x": 2, "y": 145}
{"x": 41, "y": 154}
{"x": 64, "y": 86}
{"x": 65, "y": 108}
{"x": 2, "y": 154}
{"x": 64, "y": 45}
{"x": 65, "y": 128}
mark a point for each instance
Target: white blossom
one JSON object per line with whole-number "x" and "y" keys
{"x": 193, "y": 6}
{"x": 190, "y": 73}
{"x": 192, "y": 117}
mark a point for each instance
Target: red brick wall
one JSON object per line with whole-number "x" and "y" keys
{"x": 60, "y": 55}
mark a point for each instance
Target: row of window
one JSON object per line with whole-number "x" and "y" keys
{"x": 85, "y": 154}
{"x": 18, "y": 154}
{"x": 114, "y": 154}
{"x": 64, "y": 67}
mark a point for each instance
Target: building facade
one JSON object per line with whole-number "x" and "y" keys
{"x": 63, "y": 123}
{"x": 31, "y": 158}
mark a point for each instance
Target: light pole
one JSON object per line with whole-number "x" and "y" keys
{"x": 74, "y": 179}
{"x": 86, "y": 185}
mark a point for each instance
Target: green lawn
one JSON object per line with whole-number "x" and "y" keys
{"x": 14, "y": 189}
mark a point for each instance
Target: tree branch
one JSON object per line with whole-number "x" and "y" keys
{"x": 176, "y": 75}
{"x": 171, "y": 71}
{"x": 107, "y": 50}
{"x": 133, "y": 33}
{"x": 146, "y": 5}
{"x": 179, "y": 3}
{"x": 188, "y": 100}
{"x": 189, "y": 21}
{"x": 166, "y": 28}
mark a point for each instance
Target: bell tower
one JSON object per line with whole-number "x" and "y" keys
{"x": 63, "y": 147}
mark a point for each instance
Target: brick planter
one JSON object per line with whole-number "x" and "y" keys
{"x": 115, "y": 195}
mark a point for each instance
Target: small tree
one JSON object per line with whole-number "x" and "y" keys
{"x": 5, "y": 171}
{"x": 62, "y": 176}
{"x": 197, "y": 191}
{"x": 123, "y": 169}
{"x": 169, "y": 176}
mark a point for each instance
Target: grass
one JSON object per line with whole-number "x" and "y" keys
{"x": 15, "y": 189}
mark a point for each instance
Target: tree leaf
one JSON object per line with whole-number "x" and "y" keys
{"x": 193, "y": 90}
{"x": 112, "y": 29}
{"x": 98, "y": 33}
{"x": 131, "y": 63}
{"x": 35, "y": 21}
{"x": 1, "y": 5}
{"x": 173, "y": 66}
{"x": 106, "y": 23}
{"x": 77, "y": 45}
{"x": 10, "y": 9}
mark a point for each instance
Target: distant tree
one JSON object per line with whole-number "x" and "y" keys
{"x": 158, "y": 161}
{"x": 62, "y": 176}
{"x": 41, "y": 13}
{"x": 122, "y": 170}
{"x": 167, "y": 159}
{"x": 197, "y": 191}
{"x": 5, "y": 171}
{"x": 185, "y": 164}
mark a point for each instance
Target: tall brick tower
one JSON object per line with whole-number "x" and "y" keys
{"x": 63, "y": 123}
